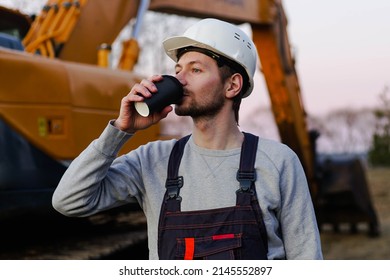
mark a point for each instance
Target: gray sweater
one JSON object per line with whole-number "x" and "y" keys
{"x": 97, "y": 180}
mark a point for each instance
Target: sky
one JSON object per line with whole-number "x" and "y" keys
{"x": 342, "y": 51}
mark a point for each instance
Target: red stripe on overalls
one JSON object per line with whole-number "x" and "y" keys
{"x": 190, "y": 248}
{"x": 223, "y": 236}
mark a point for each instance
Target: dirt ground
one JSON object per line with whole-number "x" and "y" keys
{"x": 345, "y": 245}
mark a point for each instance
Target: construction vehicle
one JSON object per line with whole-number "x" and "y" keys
{"x": 56, "y": 96}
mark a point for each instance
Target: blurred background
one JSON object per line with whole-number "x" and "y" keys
{"x": 340, "y": 52}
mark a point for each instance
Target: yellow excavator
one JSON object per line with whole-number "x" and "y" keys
{"x": 57, "y": 94}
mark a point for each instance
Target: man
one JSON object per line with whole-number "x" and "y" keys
{"x": 229, "y": 194}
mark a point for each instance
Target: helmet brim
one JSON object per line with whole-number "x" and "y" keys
{"x": 173, "y": 44}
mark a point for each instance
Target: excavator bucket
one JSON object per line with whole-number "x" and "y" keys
{"x": 344, "y": 196}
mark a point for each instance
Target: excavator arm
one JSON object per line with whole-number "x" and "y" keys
{"x": 277, "y": 65}
{"x": 74, "y": 30}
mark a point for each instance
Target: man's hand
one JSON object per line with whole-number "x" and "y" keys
{"x": 129, "y": 120}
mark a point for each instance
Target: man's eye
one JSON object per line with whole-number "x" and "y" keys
{"x": 195, "y": 70}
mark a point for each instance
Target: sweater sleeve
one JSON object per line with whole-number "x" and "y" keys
{"x": 297, "y": 216}
{"x": 90, "y": 184}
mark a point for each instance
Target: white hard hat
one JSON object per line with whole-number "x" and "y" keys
{"x": 220, "y": 38}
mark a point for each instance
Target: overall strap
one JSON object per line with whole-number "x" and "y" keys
{"x": 246, "y": 174}
{"x": 175, "y": 182}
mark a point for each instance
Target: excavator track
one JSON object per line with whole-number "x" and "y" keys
{"x": 118, "y": 234}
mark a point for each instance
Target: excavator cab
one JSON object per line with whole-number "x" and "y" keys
{"x": 13, "y": 27}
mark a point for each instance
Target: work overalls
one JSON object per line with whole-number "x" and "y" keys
{"x": 236, "y": 232}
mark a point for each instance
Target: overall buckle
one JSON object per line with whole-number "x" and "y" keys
{"x": 246, "y": 179}
{"x": 173, "y": 187}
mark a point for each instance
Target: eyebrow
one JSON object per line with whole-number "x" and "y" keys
{"x": 192, "y": 62}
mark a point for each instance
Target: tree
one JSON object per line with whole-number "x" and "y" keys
{"x": 344, "y": 130}
{"x": 379, "y": 153}
{"x": 26, "y": 6}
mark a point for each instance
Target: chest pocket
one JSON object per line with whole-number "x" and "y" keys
{"x": 216, "y": 247}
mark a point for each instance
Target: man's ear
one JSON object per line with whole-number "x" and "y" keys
{"x": 234, "y": 85}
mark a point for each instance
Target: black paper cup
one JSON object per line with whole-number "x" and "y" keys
{"x": 169, "y": 91}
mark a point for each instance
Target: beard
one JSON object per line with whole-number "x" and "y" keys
{"x": 208, "y": 108}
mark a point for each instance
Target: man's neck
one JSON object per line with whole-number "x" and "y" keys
{"x": 217, "y": 133}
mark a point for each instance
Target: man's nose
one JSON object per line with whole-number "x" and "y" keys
{"x": 181, "y": 77}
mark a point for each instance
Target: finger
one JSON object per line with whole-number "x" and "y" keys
{"x": 139, "y": 90}
{"x": 150, "y": 82}
{"x": 132, "y": 96}
{"x": 166, "y": 111}
{"x": 163, "y": 114}
{"x": 146, "y": 87}
{"x": 155, "y": 78}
